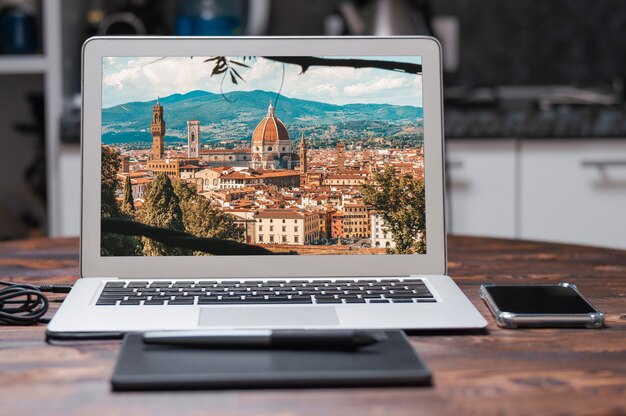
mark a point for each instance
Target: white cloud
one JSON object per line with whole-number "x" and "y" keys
{"x": 381, "y": 84}
{"x": 143, "y": 79}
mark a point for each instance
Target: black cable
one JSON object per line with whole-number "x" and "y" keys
{"x": 82, "y": 336}
{"x": 24, "y": 304}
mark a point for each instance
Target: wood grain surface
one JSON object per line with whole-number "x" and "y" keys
{"x": 502, "y": 372}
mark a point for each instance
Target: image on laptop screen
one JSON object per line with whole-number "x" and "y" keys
{"x": 276, "y": 155}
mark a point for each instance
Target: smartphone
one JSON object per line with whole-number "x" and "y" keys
{"x": 551, "y": 305}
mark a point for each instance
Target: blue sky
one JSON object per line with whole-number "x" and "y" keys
{"x": 128, "y": 79}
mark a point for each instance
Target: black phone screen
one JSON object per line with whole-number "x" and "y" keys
{"x": 540, "y": 299}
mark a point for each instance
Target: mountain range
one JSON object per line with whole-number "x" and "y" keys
{"x": 234, "y": 115}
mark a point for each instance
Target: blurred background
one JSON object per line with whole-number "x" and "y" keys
{"x": 535, "y": 118}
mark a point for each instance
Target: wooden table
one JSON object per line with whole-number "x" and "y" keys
{"x": 539, "y": 371}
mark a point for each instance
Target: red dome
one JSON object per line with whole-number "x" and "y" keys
{"x": 270, "y": 130}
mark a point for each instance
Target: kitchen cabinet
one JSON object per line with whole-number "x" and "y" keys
{"x": 574, "y": 191}
{"x": 481, "y": 187}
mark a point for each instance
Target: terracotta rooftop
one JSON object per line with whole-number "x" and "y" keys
{"x": 283, "y": 213}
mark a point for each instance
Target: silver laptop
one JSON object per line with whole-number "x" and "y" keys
{"x": 262, "y": 183}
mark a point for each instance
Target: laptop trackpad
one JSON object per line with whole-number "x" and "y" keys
{"x": 269, "y": 316}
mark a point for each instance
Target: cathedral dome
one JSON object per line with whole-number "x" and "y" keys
{"x": 270, "y": 130}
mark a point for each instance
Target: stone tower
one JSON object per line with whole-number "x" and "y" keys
{"x": 157, "y": 128}
{"x": 193, "y": 138}
{"x": 303, "y": 161}
{"x": 341, "y": 156}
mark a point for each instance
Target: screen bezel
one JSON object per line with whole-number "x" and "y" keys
{"x": 94, "y": 265}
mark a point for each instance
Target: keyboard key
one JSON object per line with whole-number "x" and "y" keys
{"x": 379, "y": 300}
{"x": 117, "y": 296}
{"x": 106, "y": 302}
{"x": 354, "y": 300}
{"x": 183, "y": 283}
{"x": 180, "y": 302}
{"x": 327, "y": 300}
{"x": 249, "y": 285}
{"x": 155, "y": 302}
{"x": 130, "y": 302}
{"x": 254, "y": 298}
{"x": 402, "y": 300}
{"x": 160, "y": 284}
{"x": 205, "y": 283}
{"x": 138, "y": 284}
{"x": 277, "y": 298}
{"x": 231, "y": 297}
{"x": 409, "y": 293}
{"x": 183, "y": 298}
{"x": 426, "y": 300}
{"x": 115, "y": 284}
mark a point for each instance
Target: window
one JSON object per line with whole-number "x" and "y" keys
{"x": 261, "y": 238}
{"x": 269, "y": 149}
{"x": 284, "y": 229}
{"x": 295, "y": 228}
{"x": 284, "y": 221}
{"x": 271, "y": 228}
{"x": 284, "y": 239}
{"x": 260, "y": 228}
{"x": 296, "y": 239}
{"x": 271, "y": 238}
{"x": 387, "y": 244}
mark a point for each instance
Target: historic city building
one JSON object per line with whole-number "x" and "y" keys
{"x": 286, "y": 226}
{"x": 157, "y": 128}
{"x": 271, "y": 145}
{"x": 303, "y": 158}
{"x": 193, "y": 138}
{"x": 341, "y": 156}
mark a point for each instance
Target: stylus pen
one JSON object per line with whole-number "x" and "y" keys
{"x": 268, "y": 339}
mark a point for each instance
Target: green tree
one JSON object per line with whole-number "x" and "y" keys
{"x": 400, "y": 202}
{"x": 113, "y": 244}
{"x": 162, "y": 209}
{"x": 128, "y": 204}
{"x": 110, "y": 166}
{"x": 201, "y": 219}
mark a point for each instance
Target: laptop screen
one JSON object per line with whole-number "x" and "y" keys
{"x": 293, "y": 155}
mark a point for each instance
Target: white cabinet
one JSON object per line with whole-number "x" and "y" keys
{"x": 481, "y": 187}
{"x": 69, "y": 190}
{"x": 574, "y": 191}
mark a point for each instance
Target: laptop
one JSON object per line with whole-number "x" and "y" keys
{"x": 275, "y": 182}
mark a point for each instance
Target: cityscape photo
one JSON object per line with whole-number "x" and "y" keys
{"x": 262, "y": 156}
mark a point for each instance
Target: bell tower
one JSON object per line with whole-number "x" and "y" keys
{"x": 303, "y": 161}
{"x": 193, "y": 138}
{"x": 157, "y": 128}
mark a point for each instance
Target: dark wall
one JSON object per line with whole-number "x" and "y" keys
{"x": 538, "y": 41}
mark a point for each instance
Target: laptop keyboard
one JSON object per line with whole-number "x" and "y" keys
{"x": 229, "y": 292}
